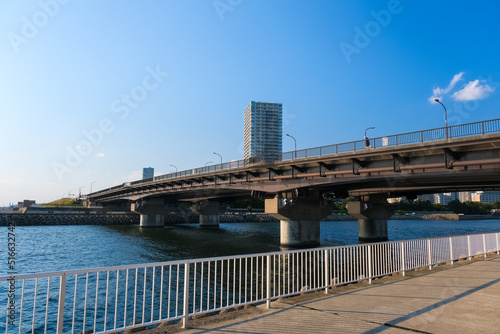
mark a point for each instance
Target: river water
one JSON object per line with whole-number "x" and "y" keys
{"x": 55, "y": 248}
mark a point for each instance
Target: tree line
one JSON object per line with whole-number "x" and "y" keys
{"x": 467, "y": 208}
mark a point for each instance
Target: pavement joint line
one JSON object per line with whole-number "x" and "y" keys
{"x": 444, "y": 302}
{"x": 404, "y": 328}
{"x": 343, "y": 315}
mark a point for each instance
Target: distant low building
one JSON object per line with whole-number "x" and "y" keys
{"x": 443, "y": 198}
{"x": 148, "y": 173}
{"x": 464, "y": 196}
{"x": 26, "y": 203}
{"x": 396, "y": 199}
{"x": 485, "y": 196}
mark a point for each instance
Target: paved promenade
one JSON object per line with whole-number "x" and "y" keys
{"x": 463, "y": 298}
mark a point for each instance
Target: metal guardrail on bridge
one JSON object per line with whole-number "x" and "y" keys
{"x": 109, "y": 300}
{"x": 425, "y": 136}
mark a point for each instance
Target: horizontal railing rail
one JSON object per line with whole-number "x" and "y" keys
{"x": 424, "y": 136}
{"x": 113, "y": 299}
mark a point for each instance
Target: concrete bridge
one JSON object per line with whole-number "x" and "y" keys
{"x": 297, "y": 186}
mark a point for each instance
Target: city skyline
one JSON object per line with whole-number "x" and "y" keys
{"x": 93, "y": 92}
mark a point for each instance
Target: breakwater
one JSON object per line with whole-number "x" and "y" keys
{"x": 37, "y": 219}
{"x": 57, "y": 217}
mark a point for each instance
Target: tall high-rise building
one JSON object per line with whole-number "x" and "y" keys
{"x": 263, "y": 131}
{"x": 148, "y": 173}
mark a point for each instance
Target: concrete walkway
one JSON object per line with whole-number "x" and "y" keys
{"x": 456, "y": 299}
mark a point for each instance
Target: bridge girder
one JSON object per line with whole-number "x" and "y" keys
{"x": 462, "y": 164}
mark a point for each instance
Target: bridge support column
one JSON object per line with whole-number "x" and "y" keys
{"x": 209, "y": 213}
{"x": 294, "y": 233}
{"x": 152, "y": 211}
{"x": 372, "y": 213}
{"x": 300, "y": 219}
{"x": 152, "y": 220}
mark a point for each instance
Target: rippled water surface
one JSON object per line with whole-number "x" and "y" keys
{"x": 55, "y": 248}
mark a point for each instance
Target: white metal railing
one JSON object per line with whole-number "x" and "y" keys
{"x": 113, "y": 299}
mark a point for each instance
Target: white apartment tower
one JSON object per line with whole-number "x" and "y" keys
{"x": 263, "y": 131}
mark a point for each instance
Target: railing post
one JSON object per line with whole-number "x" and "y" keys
{"x": 336, "y": 149}
{"x": 498, "y": 249}
{"x": 185, "y": 309}
{"x": 268, "y": 282}
{"x": 370, "y": 264}
{"x": 430, "y": 253}
{"x": 482, "y": 126}
{"x": 484, "y": 244}
{"x": 60, "y": 309}
{"x": 403, "y": 264}
{"x": 327, "y": 270}
{"x": 468, "y": 247}
{"x": 451, "y": 250}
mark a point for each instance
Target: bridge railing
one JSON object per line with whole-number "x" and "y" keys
{"x": 425, "y": 136}
{"x": 108, "y": 300}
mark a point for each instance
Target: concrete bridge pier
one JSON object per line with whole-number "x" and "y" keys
{"x": 152, "y": 211}
{"x": 152, "y": 220}
{"x": 372, "y": 213}
{"x": 209, "y": 212}
{"x": 300, "y": 219}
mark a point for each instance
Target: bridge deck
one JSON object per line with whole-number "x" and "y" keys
{"x": 459, "y": 298}
{"x": 472, "y": 146}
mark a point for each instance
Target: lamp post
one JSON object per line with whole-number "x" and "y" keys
{"x": 295, "y": 141}
{"x": 174, "y": 167}
{"x": 445, "y": 117}
{"x": 208, "y": 162}
{"x": 91, "y": 186}
{"x": 219, "y": 156}
{"x": 80, "y": 191}
{"x": 367, "y": 141}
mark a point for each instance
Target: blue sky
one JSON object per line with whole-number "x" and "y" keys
{"x": 93, "y": 91}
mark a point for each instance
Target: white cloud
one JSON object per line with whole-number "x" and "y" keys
{"x": 439, "y": 92}
{"x": 100, "y": 155}
{"x": 473, "y": 91}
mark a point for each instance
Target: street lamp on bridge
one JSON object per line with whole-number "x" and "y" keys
{"x": 367, "y": 141}
{"x": 91, "y": 186}
{"x": 445, "y": 117}
{"x": 295, "y": 141}
{"x": 174, "y": 167}
{"x": 80, "y": 191}
{"x": 219, "y": 156}
{"x": 208, "y": 162}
